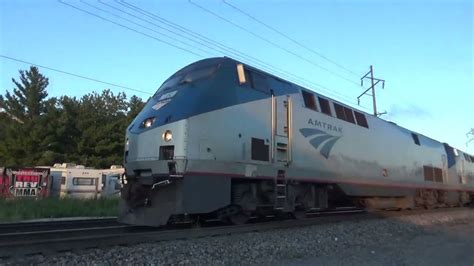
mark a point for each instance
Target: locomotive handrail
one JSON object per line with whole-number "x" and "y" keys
{"x": 290, "y": 129}
{"x": 272, "y": 143}
{"x": 161, "y": 183}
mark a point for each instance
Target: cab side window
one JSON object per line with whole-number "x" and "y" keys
{"x": 309, "y": 100}
{"x": 256, "y": 81}
{"x": 325, "y": 108}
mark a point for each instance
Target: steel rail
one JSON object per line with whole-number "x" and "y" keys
{"x": 43, "y": 225}
{"x": 129, "y": 235}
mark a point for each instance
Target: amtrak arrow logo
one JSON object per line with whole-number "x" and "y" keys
{"x": 318, "y": 137}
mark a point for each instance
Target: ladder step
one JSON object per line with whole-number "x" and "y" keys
{"x": 281, "y": 197}
{"x": 281, "y": 185}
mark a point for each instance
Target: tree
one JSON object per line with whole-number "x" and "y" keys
{"x": 27, "y": 100}
{"x": 37, "y": 130}
{"x": 102, "y": 122}
{"x": 135, "y": 105}
{"x": 22, "y": 133}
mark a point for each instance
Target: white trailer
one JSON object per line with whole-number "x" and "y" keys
{"x": 112, "y": 181}
{"x": 76, "y": 181}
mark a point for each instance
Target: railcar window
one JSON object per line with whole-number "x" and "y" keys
{"x": 344, "y": 113}
{"x": 260, "y": 151}
{"x": 428, "y": 172}
{"x": 83, "y": 181}
{"x": 434, "y": 174}
{"x": 415, "y": 139}
{"x": 248, "y": 78}
{"x": 468, "y": 157}
{"x": 257, "y": 81}
{"x": 309, "y": 100}
{"x": 260, "y": 82}
{"x": 173, "y": 81}
{"x": 438, "y": 174}
{"x": 198, "y": 74}
{"x": 63, "y": 180}
{"x": 339, "y": 111}
{"x": 325, "y": 108}
{"x": 187, "y": 77}
{"x": 349, "y": 115}
{"x": 361, "y": 119}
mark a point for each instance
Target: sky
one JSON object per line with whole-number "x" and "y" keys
{"x": 422, "y": 49}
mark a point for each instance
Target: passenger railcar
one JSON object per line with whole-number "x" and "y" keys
{"x": 224, "y": 139}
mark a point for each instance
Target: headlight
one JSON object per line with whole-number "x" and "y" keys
{"x": 126, "y": 144}
{"x": 148, "y": 122}
{"x": 167, "y": 136}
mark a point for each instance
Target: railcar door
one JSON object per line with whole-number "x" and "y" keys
{"x": 281, "y": 129}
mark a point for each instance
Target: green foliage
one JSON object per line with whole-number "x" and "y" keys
{"x": 36, "y": 130}
{"x": 25, "y": 209}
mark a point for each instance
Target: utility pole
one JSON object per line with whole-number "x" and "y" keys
{"x": 374, "y": 82}
{"x": 471, "y": 132}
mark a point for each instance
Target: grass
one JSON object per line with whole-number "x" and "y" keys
{"x": 26, "y": 209}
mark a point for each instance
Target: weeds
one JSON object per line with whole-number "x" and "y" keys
{"x": 26, "y": 209}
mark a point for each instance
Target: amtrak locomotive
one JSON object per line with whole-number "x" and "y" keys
{"x": 225, "y": 140}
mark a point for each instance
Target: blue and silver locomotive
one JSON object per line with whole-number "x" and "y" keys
{"x": 225, "y": 140}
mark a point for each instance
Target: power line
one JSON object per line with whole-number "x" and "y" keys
{"x": 72, "y": 74}
{"x": 201, "y": 37}
{"x": 218, "y": 45}
{"x": 288, "y": 37}
{"x": 269, "y": 41}
{"x": 132, "y": 29}
{"x": 140, "y": 25}
{"x": 221, "y": 47}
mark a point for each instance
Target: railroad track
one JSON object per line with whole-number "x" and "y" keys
{"x": 49, "y": 242}
{"x": 56, "y": 224}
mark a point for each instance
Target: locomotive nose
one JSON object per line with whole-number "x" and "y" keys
{"x": 157, "y": 152}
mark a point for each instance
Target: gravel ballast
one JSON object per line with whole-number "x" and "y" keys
{"x": 442, "y": 238}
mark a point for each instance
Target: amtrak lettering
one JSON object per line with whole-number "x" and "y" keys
{"x": 324, "y": 125}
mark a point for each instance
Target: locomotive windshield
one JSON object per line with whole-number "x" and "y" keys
{"x": 179, "y": 96}
{"x": 187, "y": 77}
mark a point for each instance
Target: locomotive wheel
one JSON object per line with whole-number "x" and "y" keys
{"x": 239, "y": 218}
{"x": 299, "y": 214}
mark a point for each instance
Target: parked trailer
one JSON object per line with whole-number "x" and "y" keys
{"x": 76, "y": 181}
{"x": 27, "y": 182}
{"x": 112, "y": 181}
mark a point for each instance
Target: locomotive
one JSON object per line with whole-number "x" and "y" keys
{"x": 226, "y": 140}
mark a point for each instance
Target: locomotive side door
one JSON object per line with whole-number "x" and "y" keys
{"x": 281, "y": 129}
